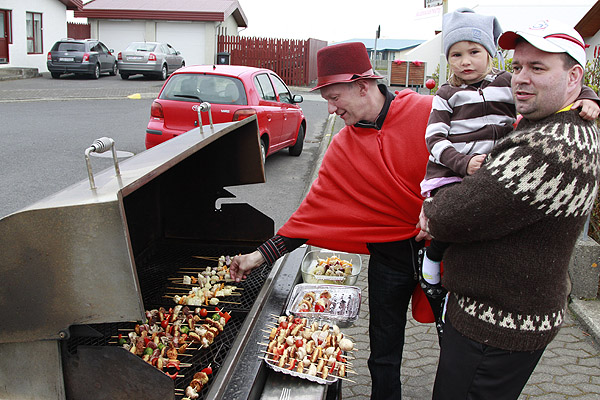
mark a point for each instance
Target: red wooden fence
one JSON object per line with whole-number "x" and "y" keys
{"x": 295, "y": 61}
{"x": 78, "y": 31}
{"x": 407, "y": 73}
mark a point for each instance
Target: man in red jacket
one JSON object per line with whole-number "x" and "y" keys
{"x": 366, "y": 199}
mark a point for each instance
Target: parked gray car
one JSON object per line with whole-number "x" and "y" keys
{"x": 150, "y": 59}
{"x": 86, "y": 56}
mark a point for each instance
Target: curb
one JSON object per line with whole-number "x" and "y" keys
{"x": 586, "y": 312}
{"x": 327, "y": 136}
{"x": 12, "y": 73}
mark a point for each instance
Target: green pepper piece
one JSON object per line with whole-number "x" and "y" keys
{"x": 148, "y": 351}
{"x": 216, "y": 317}
{"x": 184, "y": 329}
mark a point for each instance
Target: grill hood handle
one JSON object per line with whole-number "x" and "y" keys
{"x": 100, "y": 146}
{"x": 205, "y": 107}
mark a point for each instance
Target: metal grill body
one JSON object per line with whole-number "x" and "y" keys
{"x": 79, "y": 265}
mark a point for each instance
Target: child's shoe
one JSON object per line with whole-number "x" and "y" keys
{"x": 434, "y": 291}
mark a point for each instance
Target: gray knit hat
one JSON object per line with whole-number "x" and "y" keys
{"x": 465, "y": 24}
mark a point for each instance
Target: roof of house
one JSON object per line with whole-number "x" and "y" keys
{"x": 590, "y": 23}
{"x": 174, "y": 10}
{"x": 72, "y": 4}
{"x": 387, "y": 44}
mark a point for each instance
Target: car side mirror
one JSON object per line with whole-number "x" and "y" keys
{"x": 177, "y": 53}
{"x": 297, "y": 98}
{"x": 111, "y": 51}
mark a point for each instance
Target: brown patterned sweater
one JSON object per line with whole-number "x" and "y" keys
{"x": 513, "y": 226}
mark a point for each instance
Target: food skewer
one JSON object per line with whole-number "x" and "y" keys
{"x": 208, "y": 258}
{"x": 297, "y": 359}
{"x": 320, "y": 358}
{"x": 186, "y": 291}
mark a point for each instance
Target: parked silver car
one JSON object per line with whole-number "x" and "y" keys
{"x": 150, "y": 59}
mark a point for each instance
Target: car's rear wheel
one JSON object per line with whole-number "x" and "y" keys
{"x": 124, "y": 76}
{"x": 96, "y": 73}
{"x": 163, "y": 73}
{"x": 113, "y": 71}
{"x": 55, "y": 75}
{"x": 296, "y": 149}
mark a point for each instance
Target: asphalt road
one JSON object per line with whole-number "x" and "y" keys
{"x": 46, "y": 125}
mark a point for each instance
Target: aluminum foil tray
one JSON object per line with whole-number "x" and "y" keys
{"x": 310, "y": 273}
{"x": 272, "y": 359}
{"x": 343, "y": 308}
{"x": 328, "y": 381}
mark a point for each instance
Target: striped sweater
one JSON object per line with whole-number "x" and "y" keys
{"x": 465, "y": 121}
{"x": 513, "y": 227}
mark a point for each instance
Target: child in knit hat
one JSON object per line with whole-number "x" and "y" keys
{"x": 470, "y": 113}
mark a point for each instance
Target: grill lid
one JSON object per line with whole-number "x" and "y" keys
{"x": 69, "y": 259}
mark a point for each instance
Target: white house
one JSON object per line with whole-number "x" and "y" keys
{"x": 589, "y": 28}
{"x": 30, "y": 28}
{"x": 429, "y": 52}
{"x": 190, "y": 26}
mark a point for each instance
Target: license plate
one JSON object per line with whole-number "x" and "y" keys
{"x": 135, "y": 58}
{"x": 66, "y": 59}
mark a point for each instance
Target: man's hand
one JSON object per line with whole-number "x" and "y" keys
{"x": 475, "y": 163}
{"x": 242, "y": 265}
{"x": 589, "y": 109}
{"x": 423, "y": 225}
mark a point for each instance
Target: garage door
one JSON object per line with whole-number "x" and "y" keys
{"x": 118, "y": 34}
{"x": 188, "y": 38}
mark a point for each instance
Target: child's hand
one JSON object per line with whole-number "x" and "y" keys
{"x": 589, "y": 109}
{"x": 475, "y": 163}
{"x": 423, "y": 227}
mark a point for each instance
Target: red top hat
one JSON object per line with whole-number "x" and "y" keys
{"x": 344, "y": 62}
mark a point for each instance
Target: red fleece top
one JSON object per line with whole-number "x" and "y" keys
{"x": 368, "y": 187}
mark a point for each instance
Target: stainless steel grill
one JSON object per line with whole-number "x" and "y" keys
{"x": 79, "y": 265}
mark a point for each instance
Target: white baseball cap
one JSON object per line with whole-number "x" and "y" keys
{"x": 550, "y": 36}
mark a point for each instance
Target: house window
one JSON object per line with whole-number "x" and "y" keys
{"x": 34, "y": 33}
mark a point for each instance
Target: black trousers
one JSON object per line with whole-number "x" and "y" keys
{"x": 469, "y": 370}
{"x": 390, "y": 289}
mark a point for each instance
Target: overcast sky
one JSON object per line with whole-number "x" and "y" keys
{"x": 335, "y": 21}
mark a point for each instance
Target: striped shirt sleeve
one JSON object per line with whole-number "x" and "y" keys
{"x": 278, "y": 246}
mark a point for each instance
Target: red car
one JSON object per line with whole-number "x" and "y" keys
{"x": 234, "y": 92}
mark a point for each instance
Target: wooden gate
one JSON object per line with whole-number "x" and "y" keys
{"x": 407, "y": 73}
{"x": 78, "y": 31}
{"x": 295, "y": 61}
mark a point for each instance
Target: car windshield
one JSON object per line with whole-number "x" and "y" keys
{"x": 67, "y": 46}
{"x": 141, "y": 46}
{"x": 215, "y": 89}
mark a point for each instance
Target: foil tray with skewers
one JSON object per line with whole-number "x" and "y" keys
{"x": 308, "y": 349}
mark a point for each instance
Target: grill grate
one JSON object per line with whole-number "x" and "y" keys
{"x": 154, "y": 267}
